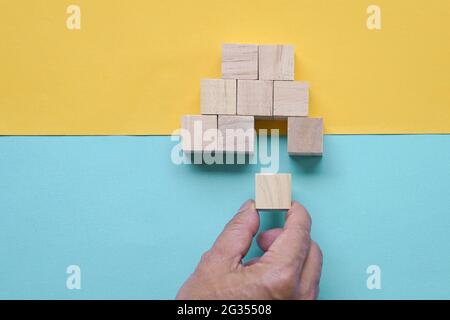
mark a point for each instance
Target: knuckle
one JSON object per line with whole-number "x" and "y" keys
{"x": 287, "y": 278}
{"x": 304, "y": 235}
{"x": 280, "y": 282}
{"x": 204, "y": 265}
{"x": 302, "y": 231}
{"x": 309, "y": 293}
{"x": 318, "y": 249}
{"x": 304, "y": 217}
{"x": 212, "y": 259}
{"x": 206, "y": 258}
{"x": 308, "y": 219}
{"x": 237, "y": 221}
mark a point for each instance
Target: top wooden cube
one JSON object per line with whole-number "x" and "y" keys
{"x": 240, "y": 61}
{"x": 276, "y": 62}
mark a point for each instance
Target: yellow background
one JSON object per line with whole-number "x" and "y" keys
{"x": 135, "y": 66}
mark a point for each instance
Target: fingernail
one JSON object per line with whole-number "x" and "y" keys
{"x": 247, "y": 204}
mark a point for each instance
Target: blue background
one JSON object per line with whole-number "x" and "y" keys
{"x": 137, "y": 224}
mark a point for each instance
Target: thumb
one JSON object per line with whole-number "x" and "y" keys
{"x": 235, "y": 240}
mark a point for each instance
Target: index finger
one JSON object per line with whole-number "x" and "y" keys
{"x": 292, "y": 245}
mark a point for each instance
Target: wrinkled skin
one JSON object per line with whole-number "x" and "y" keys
{"x": 290, "y": 267}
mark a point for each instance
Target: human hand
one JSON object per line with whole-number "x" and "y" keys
{"x": 290, "y": 267}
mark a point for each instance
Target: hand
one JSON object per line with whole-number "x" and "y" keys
{"x": 289, "y": 269}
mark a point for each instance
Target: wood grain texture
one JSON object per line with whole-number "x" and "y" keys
{"x": 239, "y": 61}
{"x": 255, "y": 98}
{"x": 272, "y": 191}
{"x": 218, "y": 96}
{"x": 276, "y": 62}
{"x": 305, "y": 136}
{"x": 290, "y": 98}
{"x": 199, "y": 133}
{"x": 236, "y": 134}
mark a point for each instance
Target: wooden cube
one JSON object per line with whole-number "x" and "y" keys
{"x": 255, "y": 98}
{"x": 290, "y": 98}
{"x": 218, "y": 96}
{"x": 199, "y": 133}
{"x": 305, "y": 136}
{"x": 273, "y": 191}
{"x": 276, "y": 62}
{"x": 236, "y": 134}
{"x": 239, "y": 61}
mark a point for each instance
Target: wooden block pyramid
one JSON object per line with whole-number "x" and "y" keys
{"x": 257, "y": 82}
